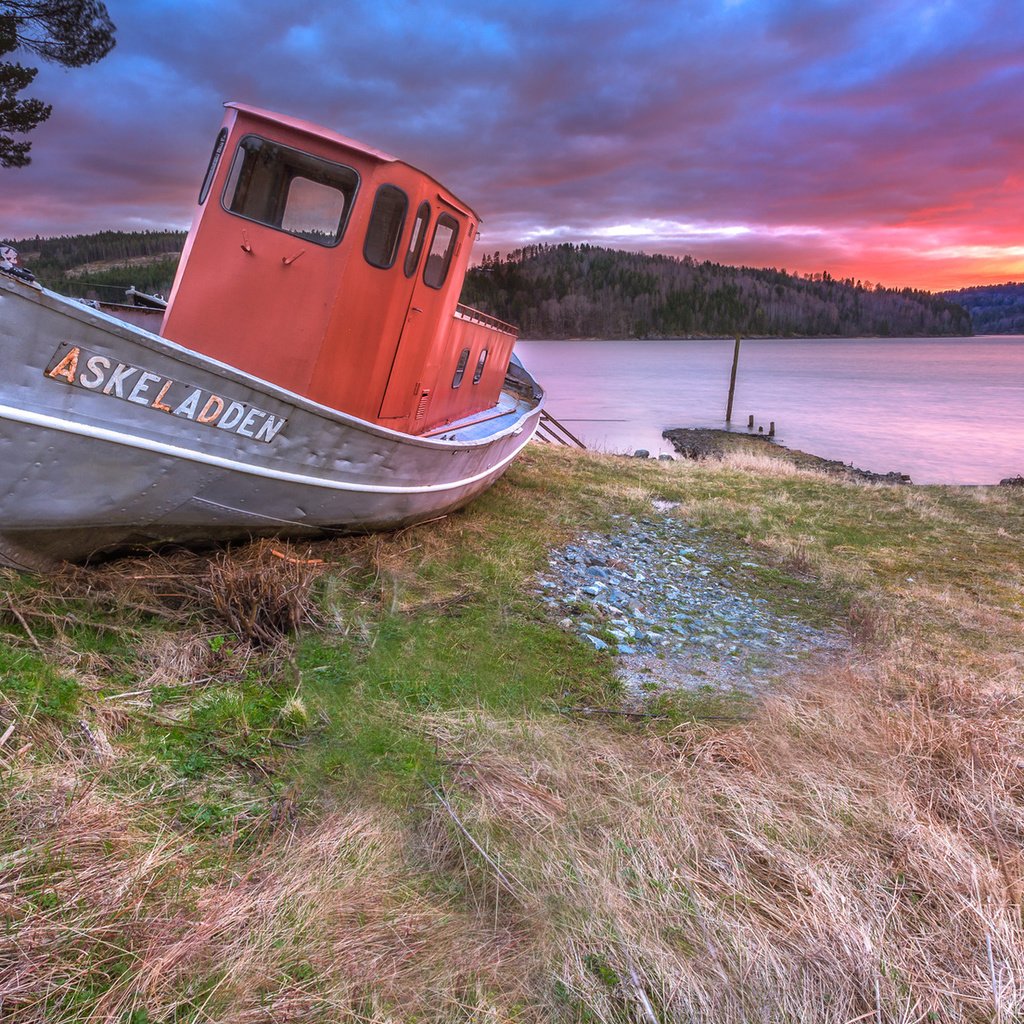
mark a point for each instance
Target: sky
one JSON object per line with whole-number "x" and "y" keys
{"x": 876, "y": 139}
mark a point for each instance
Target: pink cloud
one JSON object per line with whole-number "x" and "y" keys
{"x": 874, "y": 139}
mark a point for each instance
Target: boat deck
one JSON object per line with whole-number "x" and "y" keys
{"x": 484, "y": 424}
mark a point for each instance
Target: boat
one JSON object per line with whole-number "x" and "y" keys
{"x": 313, "y": 370}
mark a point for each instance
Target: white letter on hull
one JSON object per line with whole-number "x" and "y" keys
{"x": 189, "y": 406}
{"x": 270, "y": 427}
{"x": 138, "y": 395}
{"x": 232, "y": 416}
{"x": 117, "y": 378}
{"x": 97, "y": 365}
{"x": 245, "y": 427}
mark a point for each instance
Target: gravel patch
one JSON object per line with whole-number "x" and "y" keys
{"x": 675, "y": 610}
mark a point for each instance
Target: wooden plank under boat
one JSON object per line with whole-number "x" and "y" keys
{"x": 313, "y": 370}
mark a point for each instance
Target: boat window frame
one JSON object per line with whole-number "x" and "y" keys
{"x": 416, "y": 245}
{"x": 480, "y": 364}
{"x": 396, "y": 244}
{"x": 460, "y": 368}
{"x": 219, "y": 145}
{"x": 346, "y": 213}
{"x": 442, "y": 219}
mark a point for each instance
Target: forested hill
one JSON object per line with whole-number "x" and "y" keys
{"x": 994, "y": 308}
{"x": 564, "y": 291}
{"x": 103, "y": 265}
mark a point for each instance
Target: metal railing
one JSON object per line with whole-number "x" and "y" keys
{"x": 485, "y": 320}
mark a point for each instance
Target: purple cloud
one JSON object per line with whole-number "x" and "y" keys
{"x": 877, "y": 140}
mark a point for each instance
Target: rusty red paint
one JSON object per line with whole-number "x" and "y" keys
{"x": 213, "y": 408}
{"x": 158, "y": 401}
{"x": 67, "y": 367}
{"x": 368, "y": 341}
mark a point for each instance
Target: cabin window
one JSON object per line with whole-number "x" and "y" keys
{"x": 419, "y": 233}
{"x": 386, "y": 222}
{"x": 289, "y": 190}
{"x": 460, "y": 369}
{"x": 479, "y": 371}
{"x": 218, "y": 148}
{"x": 441, "y": 251}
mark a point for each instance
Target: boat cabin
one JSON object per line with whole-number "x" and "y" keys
{"x": 334, "y": 271}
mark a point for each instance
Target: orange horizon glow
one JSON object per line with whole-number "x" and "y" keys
{"x": 894, "y": 258}
{"x": 874, "y": 139}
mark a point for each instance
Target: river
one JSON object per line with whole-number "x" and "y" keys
{"x": 943, "y": 410}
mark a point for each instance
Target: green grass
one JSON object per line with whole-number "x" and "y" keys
{"x": 441, "y": 618}
{"x": 36, "y": 689}
{"x": 440, "y": 623}
{"x": 476, "y": 658}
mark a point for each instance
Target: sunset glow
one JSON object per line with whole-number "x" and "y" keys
{"x": 878, "y": 141}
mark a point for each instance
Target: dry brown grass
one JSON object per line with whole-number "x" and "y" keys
{"x": 326, "y": 918}
{"x": 180, "y": 618}
{"x": 83, "y": 884}
{"x": 854, "y": 852}
{"x": 870, "y": 620}
{"x": 768, "y": 465}
{"x": 263, "y": 597}
{"x": 324, "y": 922}
{"x": 183, "y": 657}
{"x": 851, "y": 853}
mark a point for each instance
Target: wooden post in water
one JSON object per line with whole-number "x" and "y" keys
{"x": 732, "y": 380}
{"x": 750, "y": 422}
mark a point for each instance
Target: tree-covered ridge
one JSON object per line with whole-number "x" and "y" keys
{"x": 559, "y": 291}
{"x": 576, "y": 291}
{"x": 994, "y": 308}
{"x": 104, "y": 264}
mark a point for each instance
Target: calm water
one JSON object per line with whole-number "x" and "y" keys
{"x": 942, "y": 410}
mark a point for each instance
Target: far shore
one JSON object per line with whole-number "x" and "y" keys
{"x": 714, "y": 443}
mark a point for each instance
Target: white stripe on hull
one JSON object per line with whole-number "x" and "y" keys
{"x": 81, "y": 473}
{"x": 161, "y": 448}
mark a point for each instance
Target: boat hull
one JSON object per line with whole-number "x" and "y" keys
{"x": 111, "y": 436}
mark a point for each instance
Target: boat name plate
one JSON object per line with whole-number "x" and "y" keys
{"x": 80, "y": 368}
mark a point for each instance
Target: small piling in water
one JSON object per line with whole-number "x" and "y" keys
{"x": 732, "y": 380}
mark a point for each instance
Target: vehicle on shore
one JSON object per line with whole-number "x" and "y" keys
{"x": 313, "y": 369}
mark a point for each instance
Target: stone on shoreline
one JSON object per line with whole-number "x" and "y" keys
{"x": 711, "y": 444}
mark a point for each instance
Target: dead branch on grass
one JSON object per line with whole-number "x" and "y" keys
{"x": 262, "y": 599}
{"x": 500, "y": 875}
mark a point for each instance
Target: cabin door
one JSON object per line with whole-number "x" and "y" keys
{"x": 407, "y": 394}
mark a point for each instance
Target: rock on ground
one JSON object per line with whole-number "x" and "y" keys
{"x": 676, "y": 611}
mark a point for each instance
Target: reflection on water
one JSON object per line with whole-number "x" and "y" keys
{"x": 944, "y": 410}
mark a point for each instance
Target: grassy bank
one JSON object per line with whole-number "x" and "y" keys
{"x": 346, "y": 783}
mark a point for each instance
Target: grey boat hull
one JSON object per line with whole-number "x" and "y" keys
{"x": 104, "y": 444}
